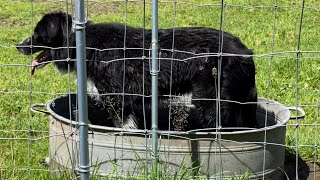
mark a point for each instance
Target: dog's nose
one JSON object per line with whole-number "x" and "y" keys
{"x": 18, "y": 46}
{"x": 22, "y": 47}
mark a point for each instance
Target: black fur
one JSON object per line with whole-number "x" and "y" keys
{"x": 193, "y": 73}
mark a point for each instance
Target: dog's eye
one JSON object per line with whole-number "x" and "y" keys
{"x": 37, "y": 37}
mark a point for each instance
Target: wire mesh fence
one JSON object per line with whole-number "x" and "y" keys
{"x": 283, "y": 36}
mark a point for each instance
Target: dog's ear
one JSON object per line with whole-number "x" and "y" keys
{"x": 60, "y": 25}
{"x": 53, "y": 29}
{"x": 66, "y": 26}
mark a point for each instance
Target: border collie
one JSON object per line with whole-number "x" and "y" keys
{"x": 118, "y": 66}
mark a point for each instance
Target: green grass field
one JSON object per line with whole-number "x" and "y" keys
{"x": 251, "y": 20}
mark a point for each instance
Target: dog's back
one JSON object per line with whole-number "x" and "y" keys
{"x": 188, "y": 57}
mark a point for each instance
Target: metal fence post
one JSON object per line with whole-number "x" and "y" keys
{"x": 79, "y": 26}
{"x": 154, "y": 79}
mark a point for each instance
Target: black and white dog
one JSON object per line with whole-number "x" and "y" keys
{"x": 192, "y": 67}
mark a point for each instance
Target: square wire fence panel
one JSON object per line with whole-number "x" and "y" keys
{"x": 282, "y": 34}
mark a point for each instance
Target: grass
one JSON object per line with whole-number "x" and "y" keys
{"x": 254, "y": 24}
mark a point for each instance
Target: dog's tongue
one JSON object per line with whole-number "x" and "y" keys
{"x": 36, "y": 61}
{"x": 33, "y": 66}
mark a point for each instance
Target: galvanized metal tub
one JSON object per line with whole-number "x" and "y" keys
{"x": 259, "y": 152}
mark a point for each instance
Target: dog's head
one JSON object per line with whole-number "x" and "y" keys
{"x": 50, "y": 34}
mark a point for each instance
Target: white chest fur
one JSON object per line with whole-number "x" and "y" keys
{"x": 92, "y": 90}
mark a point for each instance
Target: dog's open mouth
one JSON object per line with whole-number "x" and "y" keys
{"x": 38, "y": 62}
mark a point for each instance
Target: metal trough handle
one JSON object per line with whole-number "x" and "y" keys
{"x": 34, "y": 106}
{"x": 302, "y": 113}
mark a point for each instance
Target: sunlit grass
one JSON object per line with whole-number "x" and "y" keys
{"x": 254, "y": 24}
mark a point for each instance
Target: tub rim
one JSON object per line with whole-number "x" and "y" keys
{"x": 172, "y": 133}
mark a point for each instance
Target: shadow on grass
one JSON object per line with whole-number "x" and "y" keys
{"x": 290, "y": 167}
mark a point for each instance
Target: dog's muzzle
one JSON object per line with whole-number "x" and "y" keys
{"x": 24, "y": 46}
